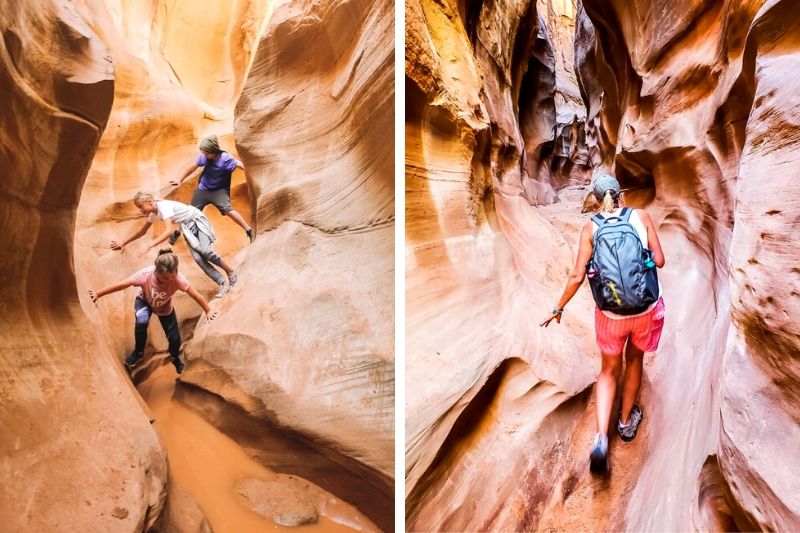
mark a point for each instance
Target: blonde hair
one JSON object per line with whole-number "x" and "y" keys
{"x": 166, "y": 261}
{"x": 142, "y": 197}
{"x": 610, "y": 202}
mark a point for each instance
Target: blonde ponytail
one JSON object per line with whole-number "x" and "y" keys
{"x": 608, "y": 202}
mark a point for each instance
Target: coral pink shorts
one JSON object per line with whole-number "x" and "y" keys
{"x": 644, "y": 331}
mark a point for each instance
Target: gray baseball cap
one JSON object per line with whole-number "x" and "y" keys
{"x": 603, "y": 183}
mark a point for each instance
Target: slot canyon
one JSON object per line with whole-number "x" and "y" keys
{"x": 511, "y": 108}
{"x": 284, "y": 414}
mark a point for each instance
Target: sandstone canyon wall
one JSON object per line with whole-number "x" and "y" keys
{"x": 307, "y": 341}
{"x": 78, "y": 451}
{"x": 692, "y": 107}
{"x": 108, "y": 98}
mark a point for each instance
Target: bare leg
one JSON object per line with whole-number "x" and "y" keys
{"x": 236, "y": 217}
{"x": 606, "y": 389}
{"x": 633, "y": 379}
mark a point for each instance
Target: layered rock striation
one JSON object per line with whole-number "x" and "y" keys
{"x": 691, "y": 107}
{"x": 305, "y": 342}
{"x": 78, "y": 450}
{"x": 105, "y": 100}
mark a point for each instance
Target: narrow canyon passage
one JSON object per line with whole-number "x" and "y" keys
{"x": 288, "y": 395}
{"x": 511, "y": 110}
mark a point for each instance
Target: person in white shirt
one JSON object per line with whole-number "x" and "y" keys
{"x": 196, "y": 230}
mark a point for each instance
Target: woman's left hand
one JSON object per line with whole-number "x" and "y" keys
{"x": 550, "y": 318}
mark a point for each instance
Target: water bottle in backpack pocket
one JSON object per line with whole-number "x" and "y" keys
{"x": 624, "y": 278}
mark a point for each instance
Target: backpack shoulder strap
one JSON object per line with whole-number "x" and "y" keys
{"x": 599, "y": 220}
{"x": 625, "y": 215}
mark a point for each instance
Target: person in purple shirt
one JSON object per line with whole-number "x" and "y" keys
{"x": 214, "y": 186}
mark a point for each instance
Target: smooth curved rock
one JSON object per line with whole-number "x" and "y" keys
{"x": 482, "y": 266}
{"x": 305, "y": 340}
{"x": 692, "y": 108}
{"x": 79, "y": 452}
{"x": 705, "y": 111}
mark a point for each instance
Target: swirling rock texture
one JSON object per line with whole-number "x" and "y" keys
{"x": 692, "y": 106}
{"x": 78, "y": 452}
{"x": 305, "y": 342}
{"x": 104, "y": 99}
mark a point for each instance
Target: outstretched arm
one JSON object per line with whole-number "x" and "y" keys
{"x": 652, "y": 238}
{"x": 108, "y": 290}
{"x": 197, "y": 297}
{"x": 161, "y": 238}
{"x": 187, "y": 171}
{"x": 576, "y": 278}
{"x": 119, "y": 245}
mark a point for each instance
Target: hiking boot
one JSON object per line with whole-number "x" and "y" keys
{"x": 223, "y": 290}
{"x": 598, "y": 458}
{"x": 233, "y": 278}
{"x": 250, "y": 235}
{"x": 133, "y": 358}
{"x": 178, "y": 363}
{"x": 174, "y": 237}
{"x": 627, "y": 432}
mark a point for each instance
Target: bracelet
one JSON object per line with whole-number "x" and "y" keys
{"x": 557, "y": 311}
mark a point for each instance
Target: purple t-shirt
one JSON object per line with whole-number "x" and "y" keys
{"x": 217, "y": 173}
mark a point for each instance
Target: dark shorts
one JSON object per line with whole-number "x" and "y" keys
{"x": 221, "y": 199}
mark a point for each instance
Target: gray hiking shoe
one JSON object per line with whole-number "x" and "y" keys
{"x": 233, "y": 278}
{"x": 627, "y": 432}
{"x": 223, "y": 290}
{"x": 598, "y": 457}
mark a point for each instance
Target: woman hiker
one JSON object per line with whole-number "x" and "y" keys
{"x": 156, "y": 285}
{"x": 634, "y": 331}
{"x": 214, "y": 186}
{"x": 196, "y": 230}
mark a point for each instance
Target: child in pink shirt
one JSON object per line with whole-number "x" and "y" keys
{"x": 156, "y": 285}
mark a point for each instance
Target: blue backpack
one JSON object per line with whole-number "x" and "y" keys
{"x": 621, "y": 271}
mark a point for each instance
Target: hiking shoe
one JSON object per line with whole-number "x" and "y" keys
{"x": 133, "y": 358}
{"x": 174, "y": 237}
{"x": 250, "y": 235}
{"x": 627, "y": 432}
{"x": 598, "y": 458}
{"x": 233, "y": 278}
{"x": 223, "y": 290}
{"x": 178, "y": 364}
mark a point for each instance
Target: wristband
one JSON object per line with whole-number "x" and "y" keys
{"x": 557, "y": 311}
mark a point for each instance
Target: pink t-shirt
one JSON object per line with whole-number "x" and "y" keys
{"x": 157, "y": 295}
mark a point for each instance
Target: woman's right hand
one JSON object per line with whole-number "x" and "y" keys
{"x": 93, "y": 296}
{"x": 550, "y": 318}
{"x": 116, "y": 245}
{"x": 175, "y": 182}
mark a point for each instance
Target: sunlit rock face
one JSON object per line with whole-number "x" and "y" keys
{"x": 179, "y": 69}
{"x": 491, "y": 401}
{"x": 699, "y": 117}
{"x": 692, "y": 107}
{"x": 79, "y": 453}
{"x": 305, "y": 341}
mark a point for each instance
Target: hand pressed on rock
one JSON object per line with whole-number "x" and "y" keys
{"x": 550, "y": 318}
{"x": 175, "y": 182}
{"x": 93, "y": 296}
{"x": 211, "y": 316}
{"x": 116, "y": 245}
